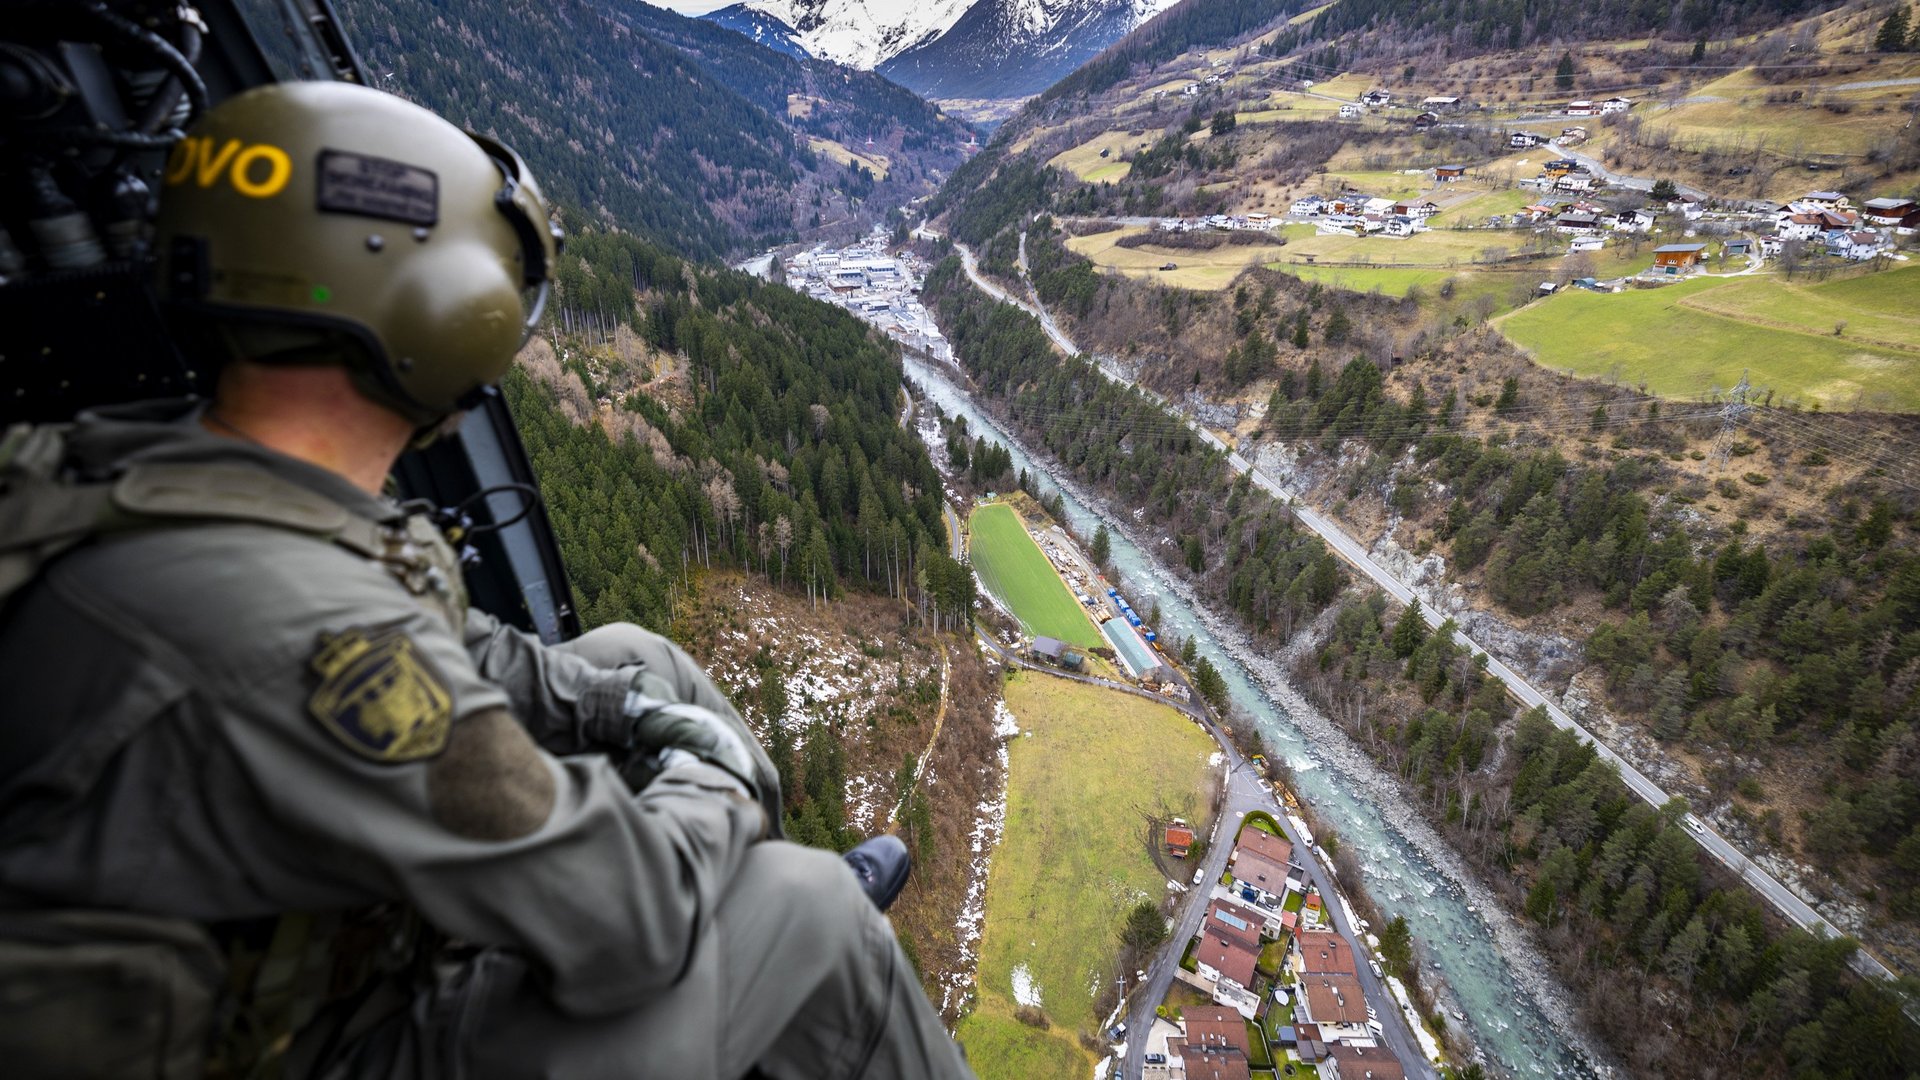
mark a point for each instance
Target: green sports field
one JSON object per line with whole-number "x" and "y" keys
{"x": 1012, "y": 566}
{"x": 1683, "y": 340}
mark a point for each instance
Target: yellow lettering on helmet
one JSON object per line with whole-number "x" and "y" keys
{"x": 207, "y": 169}
{"x": 258, "y": 171}
{"x": 180, "y": 160}
{"x": 279, "y": 170}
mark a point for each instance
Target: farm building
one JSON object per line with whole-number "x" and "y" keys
{"x": 1441, "y": 103}
{"x": 1425, "y": 120}
{"x": 1583, "y": 108}
{"x": 1447, "y": 174}
{"x": 1615, "y": 105}
{"x": 1054, "y": 651}
{"x": 1350, "y": 111}
{"x": 1376, "y": 98}
{"x": 1179, "y": 839}
{"x": 1678, "y": 258}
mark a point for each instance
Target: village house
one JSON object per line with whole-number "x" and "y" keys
{"x": 1826, "y": 200}
{"x": 1576, "y": 180}
{"x": 1857, "y": 246}
{"x": 1402, "y": 226}
{"x": 1638, "y": 221}
{"x": 1902, "y": 215}
{"x": 1336, "y": 1004}
{"x": 1798, "y": 227}
{"x": 1678, "y": 258}
{"x": 1525, "y": 140}
{"x": 1216, "y": 1028}
{"x": 1615, "y": 105}
{"x": 1323, "y": 952}
{"x": 1426, "y": 120}
{"x": 1420, "y": 210}
{"x": 1309, "y": 206}
{"x": 1229, "y": 947}
{"x": 1559, "y": 167}
{"x": 1577, "y": 223}
{"x": 1447, "y": 174}
{"x": 1263, "y": 860}
{"x": 1575, "y": 133}
{"x": 1258, "y": 221}
{"x": 1361, "y": 1063}
{"x": 1350, "y": 111}
{"x": 1582, "y": 108}
{"x": 1586, "y": 243}
{"x": 1201, "y": 1064}
{"x": 1375, "y": 99}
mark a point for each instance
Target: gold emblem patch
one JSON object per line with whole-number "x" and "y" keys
{"x": 380, "y": 696}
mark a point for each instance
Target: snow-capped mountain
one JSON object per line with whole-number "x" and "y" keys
{"x": 761, "y": 27}
{"x": 946, "y": 48}
{"x": 858, "y": 33}
{"x": 1013, "y": 48}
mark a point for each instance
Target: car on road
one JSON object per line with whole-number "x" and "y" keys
{"x": 1375, "y": 965}
{"x": 1693, "y": 823}
{"x": 1198, "y": 874}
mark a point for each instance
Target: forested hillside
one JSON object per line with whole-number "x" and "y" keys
{"x": 691, "y": 149}
{"x": 711, "y": 419}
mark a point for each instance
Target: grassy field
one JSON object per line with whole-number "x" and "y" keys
{"x": 1073, "y": 860}
{"x": 1085, "y": 162}
{"x": 833, "y": 151}
{"x": 1485, "y": 205}
{"x": 1390, "y": 280}
{"x": 1663, "y": 338}
{"x": 1206, "y": 270}
{"x": 1881, "y": 309}
{"x": 1382, "y": 184}
{"x": 1013, "y": 567}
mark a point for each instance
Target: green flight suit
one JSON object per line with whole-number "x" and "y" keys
{"x": 229, "y": 719}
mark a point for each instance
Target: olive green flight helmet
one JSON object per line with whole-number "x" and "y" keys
{"x": 322, "y": 222}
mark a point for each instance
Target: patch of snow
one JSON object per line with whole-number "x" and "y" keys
{"x": 1025, "y": 990}
{"x": 1428, "y": 1045}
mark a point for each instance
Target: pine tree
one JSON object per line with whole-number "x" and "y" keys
{"x": 1300, "y": 331}
{"x": 1563, "y": 75}
{"x": 1700, "y": 49}
{"x": 1410, "y": 632}
{"x": 1102, "y": 545}
{"x": 1338, "y": 327}
{"x": 1893, "y": 32}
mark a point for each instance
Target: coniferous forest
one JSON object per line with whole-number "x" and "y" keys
{"x": 755, "y": 428}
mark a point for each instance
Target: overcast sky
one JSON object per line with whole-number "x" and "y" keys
{"x": 692, "y": 7}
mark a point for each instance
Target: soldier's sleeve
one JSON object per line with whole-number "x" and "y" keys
{"x": 552, "y": 691}
{"x": 400, "y": 770}
{"x": 555, "y": 689}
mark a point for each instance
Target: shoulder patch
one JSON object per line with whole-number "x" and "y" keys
{"x": 379, "y": 694}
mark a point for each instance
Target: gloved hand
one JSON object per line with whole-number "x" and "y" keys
{"x": 668, "y": 728}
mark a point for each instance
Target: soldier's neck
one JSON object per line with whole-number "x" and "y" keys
{"x": 313, "y": 414}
